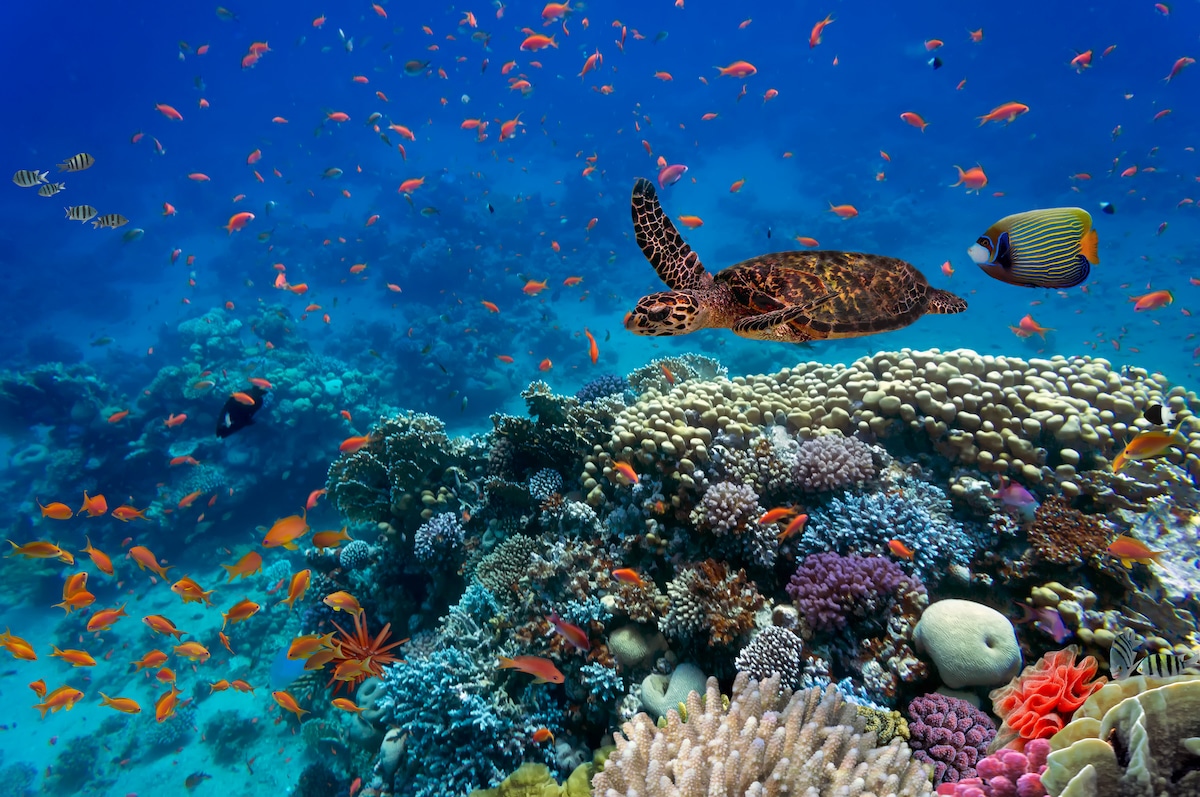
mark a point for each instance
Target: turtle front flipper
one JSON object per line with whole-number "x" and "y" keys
{"x": 789, "y": 325}
{"x": 674, "y": 261}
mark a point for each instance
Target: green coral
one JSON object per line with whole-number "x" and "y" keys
{"x": 886, "y": 725}
{"x": 535, "y": 780}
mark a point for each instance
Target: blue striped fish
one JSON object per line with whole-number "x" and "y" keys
{"x": 1050, "y": 248}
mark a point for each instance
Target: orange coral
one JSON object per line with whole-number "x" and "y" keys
{"x": 1040, "y": 701}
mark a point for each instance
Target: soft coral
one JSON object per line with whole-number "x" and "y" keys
{"x": 1040, "y": 701}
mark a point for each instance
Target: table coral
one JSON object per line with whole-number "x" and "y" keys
{"x": 1039, "y": 702}
{"x": 949, "y": 733}
{"x": 761, "y": 734}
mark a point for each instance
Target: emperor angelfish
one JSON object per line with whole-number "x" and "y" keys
{"x": 1050, "y": 248}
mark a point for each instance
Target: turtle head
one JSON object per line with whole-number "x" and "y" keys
{"x": 666, "y": 313}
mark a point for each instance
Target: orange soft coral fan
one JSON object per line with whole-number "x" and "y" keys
{"x": 1040, "y": 701}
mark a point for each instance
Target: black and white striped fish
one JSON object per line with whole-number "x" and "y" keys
{"x": 50, "y": 189}
{"x": 81, "y": 213}
{"x": 77, "y": 163}
{"x": 28, "y": 178}
{"x": 1122, "y": 655}
{"x": 113, "y": 220}
{"x": 1164, "y": 665}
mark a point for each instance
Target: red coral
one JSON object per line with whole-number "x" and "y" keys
{"x": 1040, "y": 701}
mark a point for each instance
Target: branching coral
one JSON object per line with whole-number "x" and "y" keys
{"x": 727, "y": 508}
{"x": 831, "y": 462}
{"x": 440, "y": 536}
{"x": 949, "y": 733}
{"x": 1066, "y": 536}
{"x": 764, "y": 741}
{"x": 1040, "y": 701}
{"x": 829, "y": 589}
{"x": 708, "y": 600}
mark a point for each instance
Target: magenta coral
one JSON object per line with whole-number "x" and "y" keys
{"x": 1007, "y": 773}
{"x": 949, "y": 733}
{"x": 1040, "y": 701}
{"x": 829, "y": 588}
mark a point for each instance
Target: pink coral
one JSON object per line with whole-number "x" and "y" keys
{"x": 1007, "y": 773}
{"x": 1040, "y": 701}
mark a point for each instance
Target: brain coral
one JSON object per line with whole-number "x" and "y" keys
{"x": 1046, "y": 420}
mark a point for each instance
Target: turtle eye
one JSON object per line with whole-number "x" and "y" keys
{"x": 658, "y": 312}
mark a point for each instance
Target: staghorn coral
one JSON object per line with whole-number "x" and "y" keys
{"x": 1039, "y": 702}
{"x": 709, "y": 601}
{"x": 773, "y": 651}
{"x": 1065, "y": 536}
{"x": 1007, "y": 773}
{"x": 949, "y": 733}
{"x": 829, "y": 589}
{"x": 727, "y": 508}
{"x": 831, "y": 462}
{"x": 765, "y": 741}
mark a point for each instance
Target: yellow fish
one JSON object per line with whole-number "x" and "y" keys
{"x": 1050, "y": 248}
{"x": 1147, "y": 445}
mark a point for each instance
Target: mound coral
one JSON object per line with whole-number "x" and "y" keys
{"x": 1007, "y": 773}
{"x": 763, "y": 740}
{"x": 829, "y": 589}
{"x": 1039, "y": 702}
{"x": 727, "y": 508}
{"x": 773, "y": 651}
{"x": 949, "y": 733}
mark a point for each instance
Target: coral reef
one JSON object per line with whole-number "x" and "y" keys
{"x": 949, "y": 733}
{"x": 1006, "y": 773}
{"x": 228, "y": 733}
{"x": 1066, "y": 536}
{"x": 602, "y": 386}
{"x": 710, "y": 604}
{"x": 831, "y": 462}
{"x": 1040, "y": 701}
{"x": 727, "y": 508}
{"x": 829, "y": 588}
{"x": 761, "y": 734}
{"x": 773, "y": 651}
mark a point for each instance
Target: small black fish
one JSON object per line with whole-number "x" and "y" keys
{"x": 236, "y": 416}
{"x": 935, "y": 62}
{"x": 661, "y": 36}
{"x": 1159, "y": 415}
{"x": 768, "y": 233}
{"x": 490, "y": 208}
{"x": 1107, "y": 207}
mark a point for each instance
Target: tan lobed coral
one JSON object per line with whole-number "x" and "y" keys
{"x": 1136, "y": 736}
{"x": 764, "y": 741}
{"x": 1042, "y": 419}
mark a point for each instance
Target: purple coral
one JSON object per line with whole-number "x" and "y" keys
{"x": 949, "y": 733}
{"x": 832, "y": 462}
{"x": 829, "y": 588}
{"x": 1007, "y": 773}
{"x": 727, "y": 508}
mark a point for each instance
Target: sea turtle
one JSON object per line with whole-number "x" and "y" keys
{"x": 785, "y": 296}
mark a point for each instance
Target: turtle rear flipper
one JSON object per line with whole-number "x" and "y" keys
{"x": 674, "y": 261}
{"x": 944, "y": 303}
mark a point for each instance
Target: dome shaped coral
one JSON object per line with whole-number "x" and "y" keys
{"x": 1040, "y": 701}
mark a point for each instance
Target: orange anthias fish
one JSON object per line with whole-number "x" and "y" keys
{"x": 123, "y": 704}
{"x": 974, "y": 178}
{"x": 1130, "y": 550}
{"x": 533, "y": 287}
{"x": 1028, "y": 325}
{"x": 99, "y": 558}
{"x": 775, "y": 515}
{"x": 297, "y": 588}
{"x": 162, "y": 625}
{"x": 792, "y": 528}
{"x": 542, "y": 670}
{"x": 1152, "y": 301}
{"x": 901, "y": 550}
{"x": 627, "y": 575}
{"x": 164, "y": 707}
{"x": 304, "y": 646}
{"x": 342, "y": 601}
{"x": 593, "y": 349}
{"x": 56, "y": 510}
{"x": 288, "y": 703}
{"x": 352, "y": 444}
{"x": 626, "y": 470}
{"x": 37, "y": 549}
{"x": 19, "y": 648}
{"x": 814, "y": 38}
{"x": 576, "y": 636}
{"x": 76, "y": 658}
{"x": 62, "y": 697}
{"x": 126, "y": 513}
{"x": 330, "y": 539}
{"x": 191, "y": 592}
{"x": 286, "y": 531}
{"x": 245, "y": 567}
{"x": 843, "y": 211}
{"x": 1148, "y": 445}
{"x": 1004, "y": 113}
{"x": 104, "y": 619}
{"x": 192, "y": 650}
{"x": 346, "y": 704}
{"x": 146, "y": 559}
{"x": 153, "y": 658}
{"x": 94, "y": 505}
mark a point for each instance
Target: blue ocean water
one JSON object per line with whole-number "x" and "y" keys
{"x": 134, "y": 321}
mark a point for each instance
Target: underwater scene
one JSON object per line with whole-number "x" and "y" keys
{"x": 626, "y": 399}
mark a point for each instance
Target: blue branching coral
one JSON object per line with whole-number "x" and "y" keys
{"x": 439, "y": 537}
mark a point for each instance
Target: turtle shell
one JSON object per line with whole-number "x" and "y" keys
{"x": 847, "y": 293}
